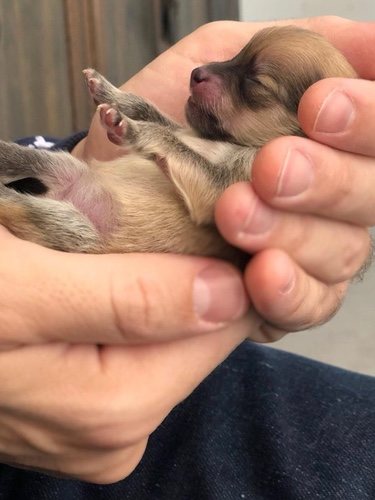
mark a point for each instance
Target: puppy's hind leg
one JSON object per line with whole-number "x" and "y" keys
{"x": 36, "y": 171}
{"x": 51, "y": 223}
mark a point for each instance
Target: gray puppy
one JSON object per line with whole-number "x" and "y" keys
{"x": 160, "y": 196}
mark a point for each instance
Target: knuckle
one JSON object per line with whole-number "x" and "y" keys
{"x": 116, "y": 467}
{"x": 147, "y": 295}
{"x": 143, "y": 303}
{"x": 96, "y": 427}
{"x": 323, "y": 305}
{"x": 320, "y": 22}
{"x": 344, "y": 186}
{"x": 332, "y": 19}
{"x": 309, "y": 305}
{"x": 368, "y": 260}
{"x": 325, "y": 309}
{"x": 342, "y": 177}
{"x": 210, "y": 28}
{"x": 355, "y": 255}
{"x": 299, "y": 233}
{"x": 140, "y": 315}
{"x": 269, "y": 333}
{"x": 111, "y": 418}
{"x": 293, "y": 313}
{"x": 104, "y": 426}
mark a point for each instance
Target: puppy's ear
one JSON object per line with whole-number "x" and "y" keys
{"x": 198, "y": 190}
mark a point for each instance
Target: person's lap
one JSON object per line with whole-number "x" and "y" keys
{"x": 264, "y": 425}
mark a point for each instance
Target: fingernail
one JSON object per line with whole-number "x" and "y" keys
{"x": 296, "y": 174}
{"x": 219, "y": 295}
{"x": 336, "y": 114}
{"x": 259, "y": 220}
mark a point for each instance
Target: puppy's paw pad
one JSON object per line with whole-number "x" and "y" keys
{"x": 109, "y": 116}
{"x": 112, "y": 120}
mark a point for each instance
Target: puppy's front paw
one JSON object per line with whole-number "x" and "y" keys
{"x": 94, "y": 81}
{"x": 114, "y": 123}
{"x": 100, "y": 89}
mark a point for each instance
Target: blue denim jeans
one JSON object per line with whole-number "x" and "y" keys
{"x": 264, "y": 425}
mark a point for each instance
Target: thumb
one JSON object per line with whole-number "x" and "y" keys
{"x": 112, "y": 299}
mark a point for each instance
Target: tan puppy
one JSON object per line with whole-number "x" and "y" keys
{"x": 160, "y": 196}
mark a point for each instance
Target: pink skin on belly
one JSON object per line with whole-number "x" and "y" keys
{"x": 88, "y": 196}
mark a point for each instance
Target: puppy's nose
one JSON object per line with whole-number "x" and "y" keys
{"x": 199, "y": 75}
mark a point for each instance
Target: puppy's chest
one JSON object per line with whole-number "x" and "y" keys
{"x": 214, "y": 151}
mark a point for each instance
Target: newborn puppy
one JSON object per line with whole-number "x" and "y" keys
{"x": 160, "y": 196}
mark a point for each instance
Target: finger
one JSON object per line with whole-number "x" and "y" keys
{"x": 293, "y": 173}
{"x": 286, "y": 296}
{"x": 340, "y": 113}
{"x": 330, "y": 251}
{"x": 354, "y": 39}
{"x": 51, "y": 296}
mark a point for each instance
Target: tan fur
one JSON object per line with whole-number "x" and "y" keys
{"x": 16, "y": 218}
{"x": 161, "y": 197}
{"x": 293, "y": 49}
{"x": 256, "y": 125}
{"x": 150, "y": 216}
{"x": 285, "y": 61}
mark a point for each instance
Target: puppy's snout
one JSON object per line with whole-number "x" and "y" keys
{"x": 199, "y": 75}
{"x": 205, "y": 85}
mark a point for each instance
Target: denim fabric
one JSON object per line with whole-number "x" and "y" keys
{"x": 264, "y": 425}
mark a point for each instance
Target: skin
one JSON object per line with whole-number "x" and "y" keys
{"x": 275, "y": 270}
{"x": 72, "y": 408}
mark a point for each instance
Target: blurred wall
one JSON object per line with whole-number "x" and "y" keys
{"x": 45, "y": 44}
{"x": 268, "y": 10}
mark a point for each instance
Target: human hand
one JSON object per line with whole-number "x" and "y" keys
{"x": 99, "y": 359}
{"x": 310, "y": 201}
{"x": 95, "y": 350}
{"x": 319, "y": 283}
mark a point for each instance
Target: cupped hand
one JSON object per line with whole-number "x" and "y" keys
{"x": 96, "y": 350}
{"x": 304, "y": 261}
{"x": 310, "y": 202}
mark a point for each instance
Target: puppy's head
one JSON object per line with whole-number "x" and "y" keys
{"x": 254, "y": 97}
